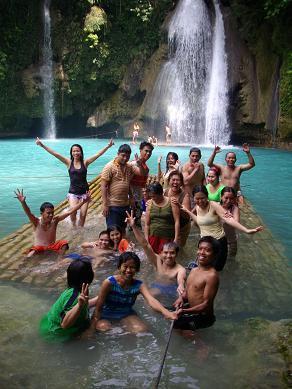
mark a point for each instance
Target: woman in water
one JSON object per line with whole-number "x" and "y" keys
{"x": 176, "y": 192}
{"x": 172, "y": 164}
{"x": 77, "y": 169}
{"x": 214, "y": 186}
{"x": 162, "y": 219}
{"x": 229, "y": 204}
{"x": 208, "y": 216}
{"x": 118, "y": 294}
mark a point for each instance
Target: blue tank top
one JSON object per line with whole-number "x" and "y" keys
{"x": 119, "y": 301}
{"x": 78, "y": 182}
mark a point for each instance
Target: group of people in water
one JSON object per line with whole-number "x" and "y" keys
{"x": 160, "y": 217}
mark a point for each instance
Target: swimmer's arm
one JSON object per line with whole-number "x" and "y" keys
{"x": 147, "y": 222}
{"x": 88, "y": 245}
{"x": 159, "y": 172}
{"x": 155, "y": 304}
{"x": 176, "y": 214}
{"x": 60, "y": 157}
{"x": 103, "y": 292}
{"x": 21, "y": 198}
{"x": 64, "y": 215}
{"x": 188, "y": 176}
{"x": 251, "y": 161}
{"x": 72, "y": 315}
{"x": 231, "y": 221}
{"x": 210, "y": 162}
{"x": 210, "y": 291}
{"x": 236, "y": 214}
{"x": 152, "y": 257}
{"x": 181, "y": 279}
{"x": 89, "y": 160}
{"x": 190, "y": 213}
{"x": 104, "y": 196}
{"x": 92, "y": 302}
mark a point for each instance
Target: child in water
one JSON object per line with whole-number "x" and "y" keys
{"x": 69, "y": 315}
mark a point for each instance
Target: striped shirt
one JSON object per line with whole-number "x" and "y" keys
{"x": 118, "y": 178}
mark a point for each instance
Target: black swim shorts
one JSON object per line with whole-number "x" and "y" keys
{"x": 194, "y": 321}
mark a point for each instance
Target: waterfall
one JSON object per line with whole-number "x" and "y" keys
{"x": 217, "y": 130}
{"x": 181, "y": 95}
{"x": 47, "y": 75}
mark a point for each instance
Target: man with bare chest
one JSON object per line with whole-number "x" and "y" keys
{"x": 196, "y": 304}
{"x": 193, "y": 171}
{"x": 230, "y": 173}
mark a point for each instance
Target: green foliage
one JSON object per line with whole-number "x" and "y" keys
{"x": 286, "y": 86}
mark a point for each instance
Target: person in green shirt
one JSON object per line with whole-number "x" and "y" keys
{"x": 214, "y": 186}
{"x": 69, "y": 315}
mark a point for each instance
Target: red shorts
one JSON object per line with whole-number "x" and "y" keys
{"x": 52, "y": 247}
{"x": 157, "y": 243}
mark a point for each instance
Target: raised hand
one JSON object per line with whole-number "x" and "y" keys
{"x": 176, "y": 165}
{"x": 111, "y": 142}
{"x": 217, "y": 149}
{"x": 255, "y": 230}
{"x": 130, "y": 219}
{"x": 83, "y": 297}
{"x": 159, "y": 159}
{"x": 245, "y": 148}
{"x": 39, "y": 142}
{"x": 19, "y": 195}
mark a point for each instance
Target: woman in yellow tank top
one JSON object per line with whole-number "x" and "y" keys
{"x": 207, "y": 215}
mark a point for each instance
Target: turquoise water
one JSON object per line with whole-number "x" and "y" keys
{"x": 267, "y": 186}
{"x": 242, "y": 349}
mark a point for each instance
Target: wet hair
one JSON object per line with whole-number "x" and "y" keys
{"x": 104, "y": 232}
{"x": 128, "y": 255}
{"x": 215, "y": 171}
{"x": 171, "y": 246}
{"x": 230, "y": 152}
{"x": 228, "y": 189}
{"x": 46, "y": 205}
{"x": 155, "y": 188}
{"x": 195, "y": 150}
{"x": 79, "y": 272}
{"x": 144, "y": 144}
{"x": 81, "y": 149}
{"x": 214, "y": 244}
{"x": 174, "y": 156}
{"x": 199, "y": 189}
{"x": 176, "y": 173}
{"x": 125, "y": 148}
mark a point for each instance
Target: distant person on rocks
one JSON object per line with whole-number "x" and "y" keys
{"x": 135, "y": 133}
{"x": 139, "y": 181}
{"x": 116, "y": 194}
{"x": 193, "y": 171}
{"x": 167, "y": 134}
{"x": 230, "y": 173}
{"x": 45, "y": 227}
{"x": 77, "y": 169}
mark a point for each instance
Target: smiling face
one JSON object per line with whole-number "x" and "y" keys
{"x": 104, "y": 241}
{"x": 76, "y": 153}
{"x": 115, "y": 236}
{"x": 145, "y": 153}
{"x": 175, "y": 182}
{"x": 230, "y": 159}
{"x": 128, "y": 269}
{"x": 205, "y": 254}
{"x": 228, "y": 200}
{"x": 168, "y": 256}
{"x": 47, "y": 215}
{"x": 171, "y": 160}
{"x": 123, "y": 158}
{"x": 212, "y": 177}
{"x": 201, "y": 200}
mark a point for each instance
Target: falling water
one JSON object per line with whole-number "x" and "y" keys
{"x": 217, "y": 130}
{"x": 181, "y": 96}
{"x": 47, "y": 75}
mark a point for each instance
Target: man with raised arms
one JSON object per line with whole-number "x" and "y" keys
{"x": 196, "y": 304}
{"x": 193, "y": 171}
{"x": 230, "y": 173}
{"x": 165, "y": 262}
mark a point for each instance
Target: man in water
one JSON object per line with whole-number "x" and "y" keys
{"x": 196, "y": 304}
{"x": 139, "y": 181}
{"x": 170, "y": 275}
{"x": 230, "y": 173}
{"x": 193, "y": 171}
{"x": 167, "y": 134}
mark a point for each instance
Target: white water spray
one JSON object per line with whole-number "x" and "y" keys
{"x": 217, "y": 129}
{"x": 47, "y": 75}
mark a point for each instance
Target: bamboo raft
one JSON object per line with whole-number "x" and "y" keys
{"x": 260, "y": 262}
